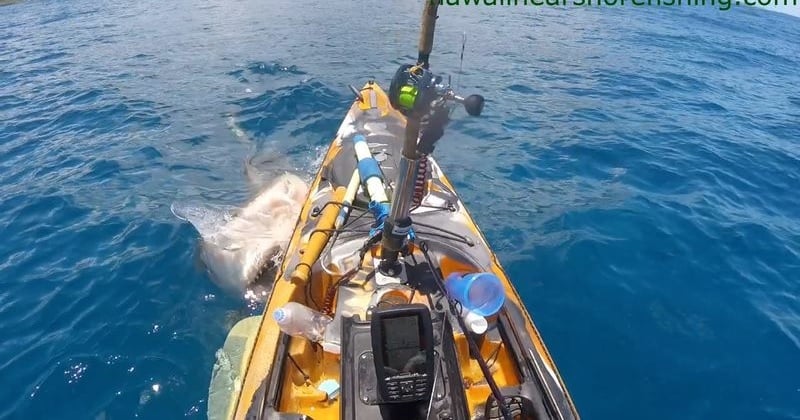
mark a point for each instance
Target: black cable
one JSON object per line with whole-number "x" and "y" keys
{"x": 455, "y": 235}
{"x": 309, "y": 295}
{"x": 495, "y": 355}
{"x": 294, "y": 362}
{"x": 355, "y": 219}
{"x": 473, "y": 347}
{"x": 338, "y": 230}
{"x": 317, "y": 211}
{"x": 336, "y": 233}
{"x": 449, "y": 208}
{"x": 461, "y": 239}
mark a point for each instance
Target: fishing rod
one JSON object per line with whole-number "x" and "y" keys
{"x": 398, "y": 224}
{"x": 424, "y": 99}
{"x": 427, "y": 29}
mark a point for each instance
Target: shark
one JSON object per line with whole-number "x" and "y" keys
{"x": 243, "y": 247}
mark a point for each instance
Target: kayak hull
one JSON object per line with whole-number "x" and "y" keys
{"x": 281, "y": 374}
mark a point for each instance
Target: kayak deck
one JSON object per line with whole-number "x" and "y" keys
{"x": 283, "y": 374}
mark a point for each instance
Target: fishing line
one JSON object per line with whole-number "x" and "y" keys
{"x": 461, "y": 64}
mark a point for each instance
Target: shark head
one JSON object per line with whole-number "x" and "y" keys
{"x": 242, "y": 248}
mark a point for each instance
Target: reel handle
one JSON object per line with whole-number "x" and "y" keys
{"x": 473, "y": 104}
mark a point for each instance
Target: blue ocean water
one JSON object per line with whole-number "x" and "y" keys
{"x": 636, "y": 170}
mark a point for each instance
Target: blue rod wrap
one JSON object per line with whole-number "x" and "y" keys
{"x": 368, "y": 168}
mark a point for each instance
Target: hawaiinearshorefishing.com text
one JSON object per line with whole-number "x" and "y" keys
{"x": 721, "y": 4}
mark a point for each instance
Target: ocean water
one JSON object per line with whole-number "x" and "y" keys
{"x": 636, "y": 169}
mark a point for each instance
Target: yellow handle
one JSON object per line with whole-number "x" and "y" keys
{"x": 318, "y": 239}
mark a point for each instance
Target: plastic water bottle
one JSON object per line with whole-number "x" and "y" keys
{"x": 481, "y": 293}
{"x": 301, "y": 321}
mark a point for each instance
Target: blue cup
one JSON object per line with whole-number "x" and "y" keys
{"x": 481, "y": 293}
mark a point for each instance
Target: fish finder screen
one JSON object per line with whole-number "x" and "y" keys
{"x": 402, "y": 347}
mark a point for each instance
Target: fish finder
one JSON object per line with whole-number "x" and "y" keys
{"x": 402, "y": 348}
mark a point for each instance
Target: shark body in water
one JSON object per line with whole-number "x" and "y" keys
{"x": 242, "y": 248}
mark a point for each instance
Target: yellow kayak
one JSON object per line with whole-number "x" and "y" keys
{"x": 389, "y": 302}
{"x": 281, "y": 375}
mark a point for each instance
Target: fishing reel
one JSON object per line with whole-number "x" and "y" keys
{"x": 419, "y": 94}
{"x": 415, "y": 90}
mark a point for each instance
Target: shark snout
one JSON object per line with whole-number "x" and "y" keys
{"x": 242, "y": 251}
